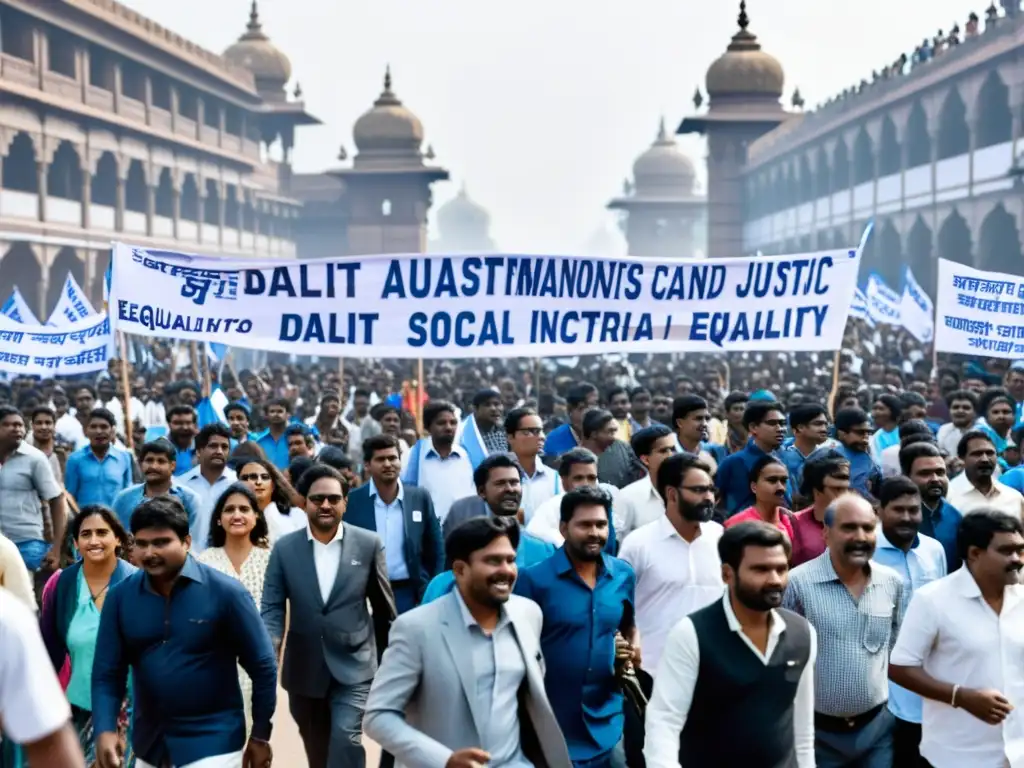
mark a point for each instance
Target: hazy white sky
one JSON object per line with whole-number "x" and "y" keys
{"x": 541, "y": 106}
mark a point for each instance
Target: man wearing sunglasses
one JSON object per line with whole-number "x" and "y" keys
{"x": 330, "y": 661}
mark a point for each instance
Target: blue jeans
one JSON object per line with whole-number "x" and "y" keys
{"x": 870, "y": 746}
{"x": 33, "y": 552}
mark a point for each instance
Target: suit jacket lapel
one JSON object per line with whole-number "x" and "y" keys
{"x": 456, "y": 637}
{"x": 308, "y": 566}
{"x": 347, "y": 550}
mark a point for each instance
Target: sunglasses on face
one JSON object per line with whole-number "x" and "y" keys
{"x": 254, "y": 477}
{"x": 334, "y": 499}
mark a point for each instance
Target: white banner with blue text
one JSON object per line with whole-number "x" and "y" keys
{"x": 917, "y": 313}
{"x": 72, "y": 306}
{"x": 17, "y": 309}
{"x": 979, "y": 313}
{"x": 46, "y": 351}
{"x": 465, "y": 306}
{"x": 883, "y": 303}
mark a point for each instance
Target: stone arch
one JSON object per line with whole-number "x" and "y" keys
{"x": 99, "y": 277}
{"x": 999, "y": 248}
{"x": 136, "y": 191}
{"x": 165, "y": 194}
{"x": 189, "y": 208}
{"x": 67, "y": 261}
{"x": 211, "y": 203}
{"x": 840, "y": 166}
{"x": 889, "y": 152}
{"x": 863, "y": 158}
{"x": 19, "y": 268}
{"x": 919, "y": 255}
{"x": 954, "y": 137}
{"x": 19, "y": 166}
{"x": 806, "y": 179}
{"x": 917, "y": 141}
{"x": 64, "y": 176}
{"x": 953, "y": 243}
{"x": 103, "y": 186}
{"x": 995, "y": 121}
{"x": 822, "y": 182}
{"x": 884, "y": 254}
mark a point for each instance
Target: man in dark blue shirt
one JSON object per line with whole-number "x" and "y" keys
{"x": 586, "y": 597}
{"x": 923, "y": 463}
{"x": 765, "y": 421}
{"x": 181, "y": 628}
{"x": 853, "y": 431}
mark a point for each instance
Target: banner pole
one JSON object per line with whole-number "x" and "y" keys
{"x": 204, "y": 363}
{"x": 193, "y": 354}
{"x": 419, "y": 396}
{"x": 126, "y": 384}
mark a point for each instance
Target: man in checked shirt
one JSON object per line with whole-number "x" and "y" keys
{"x": 855, "y": 607}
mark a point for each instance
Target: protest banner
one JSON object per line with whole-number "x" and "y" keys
{"x": 917, "y": 312}
{"x": 420, "y": 306}
{"x": 859, "y": 307}
{"x": 979, "y": 313}
{"x": 41, "y": 350}
{"x": 72, "y": 305}
{"x": 883, "y": 303}
{"x": 18, "y": 310}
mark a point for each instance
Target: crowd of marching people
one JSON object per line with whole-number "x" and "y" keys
{"x": 729, "y": 560}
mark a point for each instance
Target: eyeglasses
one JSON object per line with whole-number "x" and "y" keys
{"x": 265, "y": 477}
{"x": 334, "y": 499}
{"x": 700, "y": 490}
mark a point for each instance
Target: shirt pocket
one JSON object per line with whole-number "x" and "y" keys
{"x": 876, "y": 621}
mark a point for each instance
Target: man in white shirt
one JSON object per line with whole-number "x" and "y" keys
{"x": 524, "y": 431}
{"x": 735, "y": 681}
{"x": 33, "y": 709}
{"x": 960, "y": 649}
{"x": 963, "y": 415}
{"x": 436, "y": 463}
{"x": 208, "y": 479}
{"x": 678, "y": 570}
{"x": 577, "y": 467}
{"x": 976, "y": 487}
{"x": 640, "y": 501}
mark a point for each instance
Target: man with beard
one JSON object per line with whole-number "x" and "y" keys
{"x": 157, "y": 460}
{"x": 675, "y": 558}
{"x": 209, "y": 478}
{"x": 735, "y": 683}
{"x": 462, "y": 681}
{"x": 924, "y": 465}
{"x": 300, "y": 442}
{"x": 765, "y": 421}
{"x": 328, "y": 426}
{"x": 585, "y": 596}
{"x": 182, "y": 427}
{"x": 768, "y": 479}
{"x": 855, "y": 606}
{"x": 181, "y": 628}
{"x": 976, "y": 488}
{"x": 919, "y": 560}
{"x": 436, "y": 464}
{"x": 966, "y": 627}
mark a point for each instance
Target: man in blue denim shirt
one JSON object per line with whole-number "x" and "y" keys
{"x": 181, "y": 628}
{"x": 853, "y": 431}
{"x": 158, "y": 460}
{"x": 98, "y": 472}
{"x": 924, "y": 465}
{"x": 765, "y": 421}
{"x": 809, "y": 424}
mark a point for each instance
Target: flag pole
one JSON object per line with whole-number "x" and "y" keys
{"x": 126, "y": 384}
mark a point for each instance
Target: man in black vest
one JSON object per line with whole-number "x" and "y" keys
{"x": 735, "y": 681}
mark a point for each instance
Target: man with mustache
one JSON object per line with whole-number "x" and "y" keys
{"x": 976, "y": 487}
{"x": 735, "y": 684}
{"x": 675, "y": 558}
{"x": 924, "y": 465}
{"x": 959, "y": 649}
{"x": 855, "y": 606}
{"x": 769, "y": 479}
{"x": 919, "y": 559}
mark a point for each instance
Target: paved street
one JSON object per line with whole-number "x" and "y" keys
{"x": 288, "y": 752}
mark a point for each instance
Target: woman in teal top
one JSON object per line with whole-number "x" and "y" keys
{"x": 71, "y": 611}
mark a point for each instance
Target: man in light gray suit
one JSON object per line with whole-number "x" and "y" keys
{"x": 461, "y": 684}
{"x": 327, "y": 572}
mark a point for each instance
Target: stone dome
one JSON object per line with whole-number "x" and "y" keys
{"x": 744, "y": 69}
{"x": 256, "y": 53}
{"x": 663, "y": 167}
{"x": 388, "y": 127}
{"x": 462, "y": 213}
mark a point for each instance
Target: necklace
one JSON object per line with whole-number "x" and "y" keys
{"x": 97, "y": 595}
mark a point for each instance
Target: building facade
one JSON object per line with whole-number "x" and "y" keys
{"x": 927, "y": 147}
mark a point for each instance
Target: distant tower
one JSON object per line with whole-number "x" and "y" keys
{"x": 744, "y": 88}
{"x": 660, "y": 205}
{"x": 388, "y": 186}
{"x": 463, "y": 226}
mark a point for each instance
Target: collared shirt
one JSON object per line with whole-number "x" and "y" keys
{"x": 677, "y": 679}
{"x": 545, "y": 522}
{"x": 578, "y": 641}
{"x": 127, "y": 500}
{"x": 784, "y": 522}
{"x": 964, "y": 496}
{"x": 208, "y": 494}
{"x": 495, "y": 439}
{"x": 25, "y": 478}
{"x": 91, "y": 480}
{"x": 924, "y": 563}
{"x": 499, "y": 669}
{"x": 276, "y": 450}
{"x": 794, "y": 459}
{"x": 183, "y": 652}
{"x": 327, "y": 560}
{"x": 881, "y": 440}
{"x": 808, "y": 537}
{"x": 185, "y": 460}
{"x": 733, "y": 477}
{"x": 674, "y": 577}
{"x": 942, "y": 524}
{"x": 854, "y": 636}
{"x": 543, "y": 485}
{"x": 865, "y": 474}
{"x": 446, "y": 479}
{"x": 639, "y": 504}
{"x": 390, "y": 521}
{"x": 952, "y": 633}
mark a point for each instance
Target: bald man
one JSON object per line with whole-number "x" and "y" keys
{"x": 855, "y": 606}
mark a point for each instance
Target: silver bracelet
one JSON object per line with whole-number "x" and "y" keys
{"x": 952, "y": 699}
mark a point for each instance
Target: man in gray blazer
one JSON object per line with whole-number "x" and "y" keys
{"x": 327, "y": 572}
{"x": 461, "y": 684}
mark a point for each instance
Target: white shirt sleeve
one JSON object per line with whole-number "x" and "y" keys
{"x": 917, "y": 633}
{"x": 14, "y": 576}
{"x": 32, "y": 705}
{"x": 803, "y": 709}
{"x": 672, "y": 696}
{"x": 544, "y": 522}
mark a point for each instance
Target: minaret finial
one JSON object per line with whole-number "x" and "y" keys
{"x": 254, "y": 15}
{"x": 698, "y": 98}
{"x": 744, "y": 20}
{"x": 662, "y": 134}
{"x": 387, "y": 78}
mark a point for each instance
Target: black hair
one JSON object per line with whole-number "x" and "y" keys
{"x": 573, "y": 457}
{"x": 910, "y": 398}
{"x": 161, "y": 447}
{"x": 40, "y": 410}
{"x": 216, "y": 429}
{"x": 893, "y": 403}
{"x": 963, "y": 394}
{"x": 765, "y": 461}
{"x": 260, "y": 533}
{"x": 914, "y": 451}
{"x": 803, "y": 414}
{"x": 974, "y": 434}
{"x": 735, "y": 398}
{"x": 379, "y": 443}
{"x": 980, "y": 527}
{"x": 613, "y": 391}
{"x": 484, "y": 395}
{"x": 361, "y": 392}
{"x": 319, "y": 472}
{"x": 279, "y": 495}
{"x": 10, "y": 410}
{"x": 635, "y": 391}
{"x": 595, "y": 420}
{"x": 584, "y": 496}
{"x": 435, "y": 408}
{"x": 684, "y": 405}
{"x": 298, "y": 465}
{"x": 329, "y": 394}
{"x": 237, "y": 406}
{"x": 280, "y": 402}
{"x": 735, "y": 540}
{"x": 848, "y": 418}
{"x": 758, "y": 410}
{"x": 299, "y": 429}
{"x": 913, "y": 427}
{"x": 165, "y": 511}
{"x": 828, "y": 464}
{"x": 514, "y": 416}
{"x": 894, "y": 487}
{"x": 477, "y": 533}
{"x": 993, "y": 396}
{"x": 181, "y": 410}
{"x": 494, "y": 461}
{"x": 109, "y": 517}
{"x": 674, "y": 469}
{"x": 104, "y": 414}
{"x": 79, "y": 387}
{"x": 643, "y": 440}
{"x": 579, "y": 394}
{"x": 333, "y": 456}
